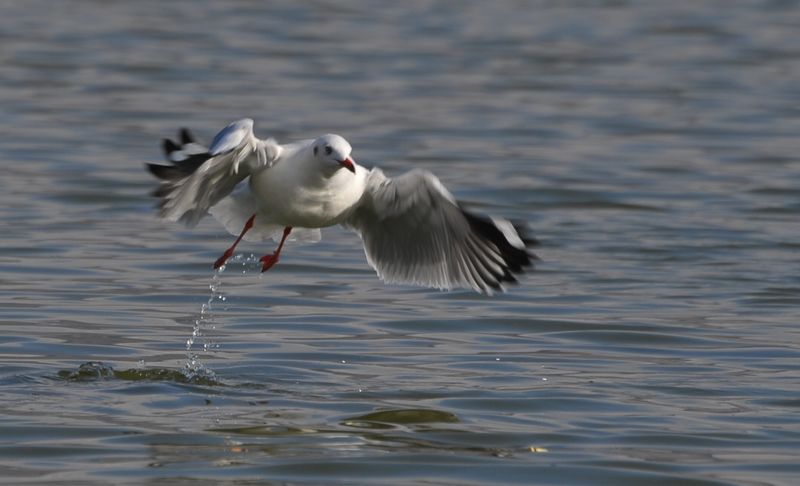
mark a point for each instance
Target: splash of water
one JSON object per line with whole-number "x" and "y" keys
{"x": 206, "y": 321}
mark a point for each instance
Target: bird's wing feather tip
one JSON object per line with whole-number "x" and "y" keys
{"x": 186, "y": 136}
{"x": 169, "y": 146}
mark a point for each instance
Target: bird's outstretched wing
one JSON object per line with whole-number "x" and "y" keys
{"x": 415, "y": 232}
{"x": 199, "y": 177}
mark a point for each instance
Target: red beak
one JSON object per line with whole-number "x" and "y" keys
{"x": 348, "y": 164}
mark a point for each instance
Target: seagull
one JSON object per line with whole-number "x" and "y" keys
{"x": 413, "y": 230}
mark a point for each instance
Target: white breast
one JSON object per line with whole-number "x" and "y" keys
{"x": 290, "y": 196}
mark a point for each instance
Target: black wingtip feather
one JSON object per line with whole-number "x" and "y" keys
{"x": 182, "y": 165}
{"x": 165, "y": 172}
{"x": 524, "y": 233}
{"x": 516, "y": 259}
{"x": 179, "y": 168}
{"x": 529, "y": 241}
{"x": 169, "y": 146}
{"x": 187, "y": 137}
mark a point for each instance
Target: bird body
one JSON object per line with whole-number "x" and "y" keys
{"x": 413, "y": 230}
{"x": 293, "y": 193}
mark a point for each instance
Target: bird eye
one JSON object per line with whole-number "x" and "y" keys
{"x": 316, "y": 149}
{"x": 328, "y": 150}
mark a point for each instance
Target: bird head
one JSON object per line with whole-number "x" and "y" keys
{"x": 334, "y": 150}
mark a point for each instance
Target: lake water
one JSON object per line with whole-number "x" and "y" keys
{"x": 651, "y": 146}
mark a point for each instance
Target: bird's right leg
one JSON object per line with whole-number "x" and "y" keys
{"x": 270, "y": 260}
{"x": 221, "y": 260}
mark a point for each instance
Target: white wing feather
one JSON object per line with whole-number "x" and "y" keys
{"x": 234, "y": 154}
{"x": 414, "y": 232}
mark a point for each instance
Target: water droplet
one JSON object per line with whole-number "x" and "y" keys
{"x": 204, "y": 323}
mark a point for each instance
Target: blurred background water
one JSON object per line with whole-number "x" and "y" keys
{"x": 651, "y": 146}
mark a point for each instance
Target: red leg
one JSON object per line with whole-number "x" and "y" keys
{"x": 270, "y": 260}
{"x": 221, "y": 260}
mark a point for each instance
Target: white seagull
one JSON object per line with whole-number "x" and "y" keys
{"x": 412, "y": 228}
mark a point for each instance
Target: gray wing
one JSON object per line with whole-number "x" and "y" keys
{"x": 415, "y": 232}
{"x": 200, "y": 177}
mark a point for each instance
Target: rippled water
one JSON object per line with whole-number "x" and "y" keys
{"x": 652, "y": 147}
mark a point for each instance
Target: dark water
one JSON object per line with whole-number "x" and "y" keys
{"x": 652, "y": 146}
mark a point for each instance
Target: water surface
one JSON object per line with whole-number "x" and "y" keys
{"x": 651, "y": 146}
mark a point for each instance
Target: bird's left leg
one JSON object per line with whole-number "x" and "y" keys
{"x": 221, "y": 260}
{"x": 270, "y": 260}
